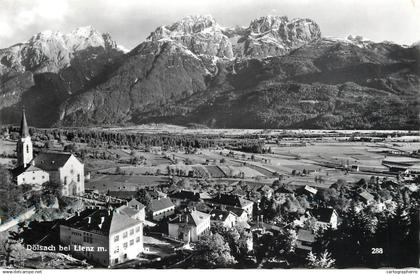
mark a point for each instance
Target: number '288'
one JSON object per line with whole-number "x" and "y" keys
{"x": 377, "y": 250}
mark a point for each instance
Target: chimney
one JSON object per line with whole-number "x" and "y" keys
{"x": 89, "y": 220}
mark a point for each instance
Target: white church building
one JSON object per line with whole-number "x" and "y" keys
{"x": 47, "y": 166}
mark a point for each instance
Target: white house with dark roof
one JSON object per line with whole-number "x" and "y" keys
{"x": 133, "y": 209}
{"x": 160, "y": 208}
{"x": 103, "y": 236}
{"x": 62, "y": 168}
{"x": 230, "y": 201}
{"x": 189, "y": 226}
{"x": 325, "y": 217}
{"x": 223, "y": 217}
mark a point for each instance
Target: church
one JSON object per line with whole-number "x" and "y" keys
{"x": 58, "y": 167}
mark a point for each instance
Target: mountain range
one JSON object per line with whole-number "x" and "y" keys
{"x": 274, "y": 73}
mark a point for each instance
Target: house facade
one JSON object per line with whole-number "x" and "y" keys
{"x": 189, "y": 226}
{"x": 160, "y": 208}
{"x": 102, "y": 236}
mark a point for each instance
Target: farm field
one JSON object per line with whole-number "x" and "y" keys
{"x": 124, "y": 182}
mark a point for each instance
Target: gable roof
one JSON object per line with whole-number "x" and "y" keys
{"x": 133, "y": 203}
{"x": 19, "y": 170}
{"x": 51, "y": 161}
{"x": 323, "y": 214}
{"x": 156, "y": 205}
{"x": 306, "y": 235}
{"x": 100, "y": 221}
{"x": 230, "y": 200}
{"x": 185, "y": 195}
{"x": 265, "y": 188}
{"x": 127, "y": 211}
{"x": 237, "y": 211}
{"x": 366, "y": 195}
{"x": 120, "y": 222}
{"x": 310, "y": 189}
{"x": 220, "y": 215}
{"x": 193, "y": 218}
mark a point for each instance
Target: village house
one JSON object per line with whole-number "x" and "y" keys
{"x": 223, "y": 217}
{"x": 187, "y": 198}
{"x": 304, "y": 242}
{"x": 366, "y": 197}
{"x": 266, "y": 191}
{"x": 133, "y": 209}
{"x": 62, "y": 168}
{"x": 233, "y": 201}
{"x": 102, "y": 236}
{"x": 325, "y": 217}
{"x": 308, "y": 190}
{"x": 159, "y": 209}
{"x": 189, "y": 226}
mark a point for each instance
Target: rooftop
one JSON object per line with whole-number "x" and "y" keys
{"x": 323, "y": 214}
{"x": 100, "y": 221}
{"x": 194, "y": 218}
{"x": 230, "y": 200}
{"x": 51, "y": 161}
{"x": 163, "y": 203}
{"x": 220, "y": 215}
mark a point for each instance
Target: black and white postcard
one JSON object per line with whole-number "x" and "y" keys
{"x": 209, "y": 134}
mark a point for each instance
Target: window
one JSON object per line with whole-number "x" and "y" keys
{"x": 27, "y": 149}
{"x": 131, "y": 231}
{"x": 116, "y": 238}
{"x": 137, "y": 239}
{"x": 23, "y": 179}
{"x": 125, "y": 234}
{"x": 78, "y": 177}
{"x": 43, "y": 177}
{"x": 125, "y": 256}
{"x": 116, "y": 260}
{"x": 33, "y": 178}
{"x": 131, "y": 242}
{"x": 117, "y": 250}
{"x": 125, "y": 245}
{"x": 137, "y": 229}
{"x": 65, "y": 180}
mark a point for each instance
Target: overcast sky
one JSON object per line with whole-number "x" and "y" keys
{"x": 131, "y": 21}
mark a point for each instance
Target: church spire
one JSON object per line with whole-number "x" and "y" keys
{"x": 24, "y": 130}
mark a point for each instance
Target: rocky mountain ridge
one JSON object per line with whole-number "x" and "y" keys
{"x": 276, "y": 72}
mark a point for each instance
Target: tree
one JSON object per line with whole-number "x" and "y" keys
{"x": 53, "y": 187}
{"x": 144, "y": 197}
{"x": 322, "y": 261}
{"x": 213, "y": 252}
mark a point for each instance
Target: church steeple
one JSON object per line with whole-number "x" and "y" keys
{"x": 24, "y": 148}
{"x": 24, "y": 130}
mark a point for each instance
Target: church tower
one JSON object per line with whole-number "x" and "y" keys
{"x": 24, "y": 145}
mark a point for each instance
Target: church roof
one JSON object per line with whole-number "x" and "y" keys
{"x": 24, "y": 130}
{"x": 19, "y": 170}
{"x": 50, "y": 161}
